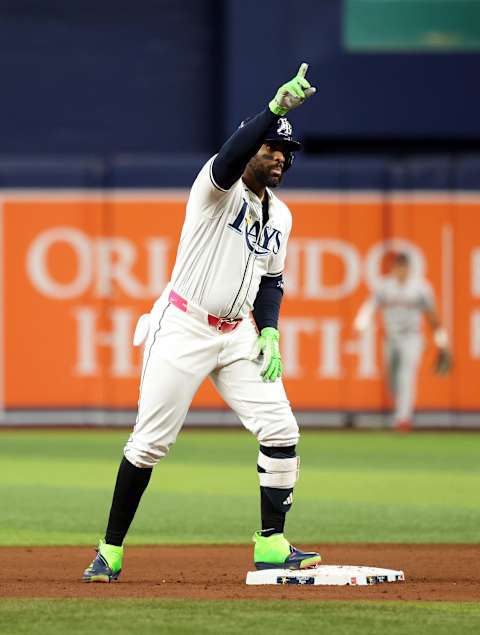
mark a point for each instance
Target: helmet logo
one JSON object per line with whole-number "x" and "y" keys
{"x": 284, "y": 127}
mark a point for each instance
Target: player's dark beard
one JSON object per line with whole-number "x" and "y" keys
{"x": 263, "y": 175}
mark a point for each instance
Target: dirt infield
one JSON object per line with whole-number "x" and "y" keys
{"x": 433, "y": 572}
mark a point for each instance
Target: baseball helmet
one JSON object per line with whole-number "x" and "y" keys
{"x": 281, "y": 131}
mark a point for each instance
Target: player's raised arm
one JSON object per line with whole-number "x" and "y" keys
{"x": 245, "y": 142}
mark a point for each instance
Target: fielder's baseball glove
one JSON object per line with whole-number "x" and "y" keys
{"x": 443, "y": 362}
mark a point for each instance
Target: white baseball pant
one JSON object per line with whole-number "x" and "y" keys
{"x": 402, "y": 356}
{"x": 181, "y": 350}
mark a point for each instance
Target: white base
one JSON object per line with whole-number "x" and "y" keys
{"x": 329, "y": 575}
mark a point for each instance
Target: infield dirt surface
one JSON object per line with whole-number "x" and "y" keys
{"x": 433, "y": 572}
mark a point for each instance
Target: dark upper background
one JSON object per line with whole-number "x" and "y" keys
{"x": 152, "y": 87}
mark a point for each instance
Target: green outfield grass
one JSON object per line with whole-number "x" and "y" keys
{"x": 55, "y": 617}
{"x": 56, "y": 488}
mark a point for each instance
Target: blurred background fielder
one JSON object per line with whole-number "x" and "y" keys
{"x": 402, "y": 299}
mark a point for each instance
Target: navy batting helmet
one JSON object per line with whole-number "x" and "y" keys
{"x": 282, "y": 132}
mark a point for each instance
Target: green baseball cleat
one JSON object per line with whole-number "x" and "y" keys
{"x": 106, "y": 566}
{"x": 275, "y": 552}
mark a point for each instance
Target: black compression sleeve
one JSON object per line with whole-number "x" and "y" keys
{"x": 266, "y": 308}
{"x": 236, "y": 152}
{"x": 129, "y": 487}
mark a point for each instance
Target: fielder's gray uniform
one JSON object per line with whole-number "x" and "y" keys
{"x": 402, "y": 305}
{"x": 223, "y": 253}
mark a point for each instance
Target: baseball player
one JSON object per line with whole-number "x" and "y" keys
{"x": 403, "y": 298}
{"x": 218, "y": 318}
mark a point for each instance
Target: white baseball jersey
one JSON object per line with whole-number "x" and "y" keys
{"x": 403, "y": 303}
{"x": 224, "y": 248}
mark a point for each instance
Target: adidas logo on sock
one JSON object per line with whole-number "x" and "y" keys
{"x": 288, "y": 500}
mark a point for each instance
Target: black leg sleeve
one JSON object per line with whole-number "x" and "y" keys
{"x": 272, "y": 506}
{"x": 131, "y": 483}
{"x": 272, "y": 517}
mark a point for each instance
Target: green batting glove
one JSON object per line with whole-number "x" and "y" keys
{"x": 293, "y": 93}
{"x": 267, "y": 345}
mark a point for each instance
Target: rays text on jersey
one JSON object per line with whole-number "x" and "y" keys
{"x": 260, "y": 241}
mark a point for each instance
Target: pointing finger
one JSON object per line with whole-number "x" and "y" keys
{"x": 302, "y": 71}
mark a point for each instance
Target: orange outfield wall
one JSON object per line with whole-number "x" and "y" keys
{"x": 79, "y": 270}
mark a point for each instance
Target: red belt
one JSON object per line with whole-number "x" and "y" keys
{"x": 221, "y": 324}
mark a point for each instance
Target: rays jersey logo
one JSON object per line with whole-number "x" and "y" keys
{"x": 269, "y": 241}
